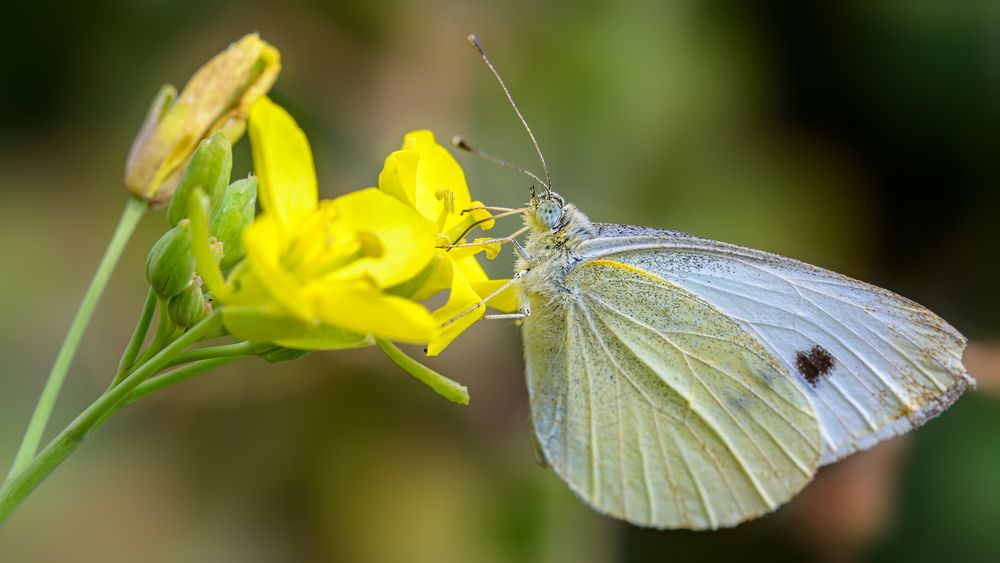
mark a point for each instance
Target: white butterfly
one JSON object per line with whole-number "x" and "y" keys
{"x": 680, "y": 382}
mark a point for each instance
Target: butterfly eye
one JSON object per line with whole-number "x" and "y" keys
{"x": 549, "y": 213}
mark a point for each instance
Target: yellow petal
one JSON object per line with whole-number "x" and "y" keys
{"x": 469, "y": 267}
{"x": 263, "y": 243}
{"x": 462, "y": 297}
{"x": 407, "y": 238}
{"x": 506, "y": 301}
{"x": 359, "y": 307}
{"x": 266, "y": 321}
{"x": 435, "y": 277}
{"x": 283, "y": 162}
{"x": 251, "y": 313}
{"x": 399, "y": 176}
{"x": 441, "y": 192}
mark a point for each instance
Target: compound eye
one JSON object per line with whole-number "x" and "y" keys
{"x": 549, "y": 213}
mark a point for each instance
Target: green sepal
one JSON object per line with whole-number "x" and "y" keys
{"x": 447, "y": 388}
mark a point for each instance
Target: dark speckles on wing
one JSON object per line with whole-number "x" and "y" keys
{"x": 814, "y": 364}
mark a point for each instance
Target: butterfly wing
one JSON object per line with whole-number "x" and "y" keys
{"x": 874, "y": 364}
{"x": 657, "y": 408}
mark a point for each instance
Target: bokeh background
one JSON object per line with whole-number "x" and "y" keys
{"x": 860, "y": 136}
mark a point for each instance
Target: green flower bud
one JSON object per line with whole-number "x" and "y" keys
{"x": 170, "y": 264}
{"x": 231, "y": 216}
{"x": 209, "y": 169}
{"x": 189, "y": 306}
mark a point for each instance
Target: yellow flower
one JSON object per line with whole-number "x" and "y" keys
{"x": 315, "y": 271}
{"x": 217, "y": 98}
{"x": 424, "y": 176}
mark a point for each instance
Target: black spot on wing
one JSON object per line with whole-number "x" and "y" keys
{"x": 814, "y": 364}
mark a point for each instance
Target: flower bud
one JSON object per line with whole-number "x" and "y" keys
{"x": 209, "y": 169}
{"x": 231, "y": 216}
{"x": 189, "y": 306}
{"x": 170, "y": 264}
{"x": 217, "y": 98}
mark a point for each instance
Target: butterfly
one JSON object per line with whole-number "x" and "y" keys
{"x": 680, "y": 382}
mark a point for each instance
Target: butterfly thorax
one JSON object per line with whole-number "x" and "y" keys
{"x": 552, "y": 242}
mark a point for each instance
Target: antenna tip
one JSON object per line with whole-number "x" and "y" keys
{"x": 474, "y": 41}
{"x": 458, "y": 142}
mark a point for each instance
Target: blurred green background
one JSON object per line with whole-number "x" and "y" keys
{"x": 860, "y": 136}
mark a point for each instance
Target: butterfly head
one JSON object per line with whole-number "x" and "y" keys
{"x": 546, "y": 211}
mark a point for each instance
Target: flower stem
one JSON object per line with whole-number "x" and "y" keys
{"x": 138, "y": 337}
{"x": 18, "y": 487}
{"x": 164, "y": 329}
{"x": 178, "y": 375}
{"x": 238, "y": 350}
{"x": 134, "y": 210}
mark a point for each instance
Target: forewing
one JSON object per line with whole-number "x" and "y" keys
{"x": 658, "y": 409}
{"x": 874, "y": 364}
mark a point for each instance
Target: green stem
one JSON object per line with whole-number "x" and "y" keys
{"x": 226, "y": 350}
{"x": 451, "y": 390}
{"x": 178, "y": 375}
{"x": 164, "y": 328}
{"x": 134, "y": 210}
{"x": 138, "y": 337}
{"x": 15, "y": 490}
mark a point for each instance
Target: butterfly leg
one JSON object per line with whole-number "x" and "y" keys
{"x": 502, "y": 240}
{"x": 489, "y": 208}
{"x": 524, "y": 311}
{"x": 520, "y": 249}
{"x": 525, "y": 308}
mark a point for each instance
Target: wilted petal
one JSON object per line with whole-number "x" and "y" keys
{"x": 214, "y": 99}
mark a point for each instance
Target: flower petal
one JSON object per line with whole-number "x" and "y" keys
{"x": 441, "y": 192}
{"x": 283, "y": 163}
{"x": 399, "y": 176}
{"x": 461, "y": 298}
{"x": 407, "y": 238}
{"x": 506, "y": 301}
{"x": 435, "y": 277}
{"x": 263, "y": 243}
{"x": 362, "y": 308}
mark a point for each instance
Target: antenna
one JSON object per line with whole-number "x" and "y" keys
{"x": 459, "y": 142}
{"x": 475, "y": 44}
